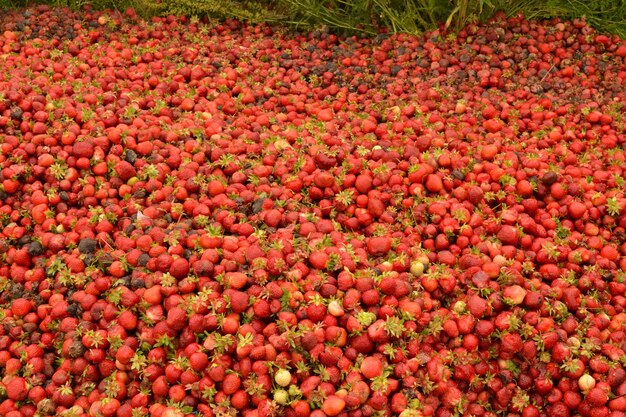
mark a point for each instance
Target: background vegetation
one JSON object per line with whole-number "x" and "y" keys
{"x": 368, "y": 16}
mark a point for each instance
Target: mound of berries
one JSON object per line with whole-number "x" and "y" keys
{"x": 235, "y": 220}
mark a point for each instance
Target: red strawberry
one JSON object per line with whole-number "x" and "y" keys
{"x": 129, "y": 297}
{"x": 38, "y": 213}
{"x": 484, "y": 328}
{"x": 125, "y": 170}
{"x": 231, "y": 383}
{"x": 558, "y": 409}
{"x": 508, "y": 235}
{"x": 361, "y": 391}
{"x": 492, "y": 126}
{"x": 239, "y": 301}
{"x": 362, "y": 343}
{"x": 452, "y": 397}
{"x": 371, "y": 367}
{"x": 469, "y": 260}
{"x": 176, "y": 318}
{"x": 572, "y": 399}
{"x": 253, "y": 252}
{"x": 16, "y": 389}
{"x": 596, "y": 397}
{"x": 433, "y": 183}
{"x": 375, "y": 207}
{"x": 318, "y": 259}
{"x": 514, "y": 294}
{"x": 450, "y": 328}
{"x": 475, "y": 195}
{"x": 64, "y": 396}
{"x": 261, "y": 309}
{"x": 325, "y": 115}
{"x": 179, "y": 268}
{"x": 215, "y": 187}
{"x": 599, "y": 412}
{"x": 576, "y": 209}
{"x": 560, "y": 352}
{"x": 388, "y": 286}
{"x": 333, "y": 405}
{"x": 377, "y": 332}
{"x": 236, "y": 280}
{"x": 309, "y": 385}
{"x": 337, "y": 335}
{"x": 379, "y": 246}
{"x": 273, "y": 218}
{"x": 329, "y": 356}
{"x": 127, "y": 319}
{"x": 612, "y": 351}
{"x": 370, "y": 297}
{"x": 618, "y": 404}
{"x": 110, "y": 407}
{"x": 489, "y": 112}
{"x": 616, "y": 376}
{"x": 412, "y": 308}
{"x": 511, "y": 342}
{"x": 324, "y": 179}
{"x": 316, "y": 311}
{"x": 530, "y": 411}
{"x": 21, "y": 306}
{"x": 436, "y": 370}
{"x": 83, "y": 149}
{"x": 488, "y": 152}
{"x": 171, "y": 412}
{"x": 477, "y": 306}
{"x": 124, "y": 354}
{"x": 363, "y": 183}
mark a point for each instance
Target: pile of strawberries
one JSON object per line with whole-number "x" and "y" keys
{"x": 236, "y": 220}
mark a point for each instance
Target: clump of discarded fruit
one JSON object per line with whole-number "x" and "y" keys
{"x": 227, "y": 220}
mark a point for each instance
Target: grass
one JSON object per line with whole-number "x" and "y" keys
{"x": 368, "y": 16}
{"x": 604, "y": 15}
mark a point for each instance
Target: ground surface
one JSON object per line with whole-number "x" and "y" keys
{"x": 232, "y": 220}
